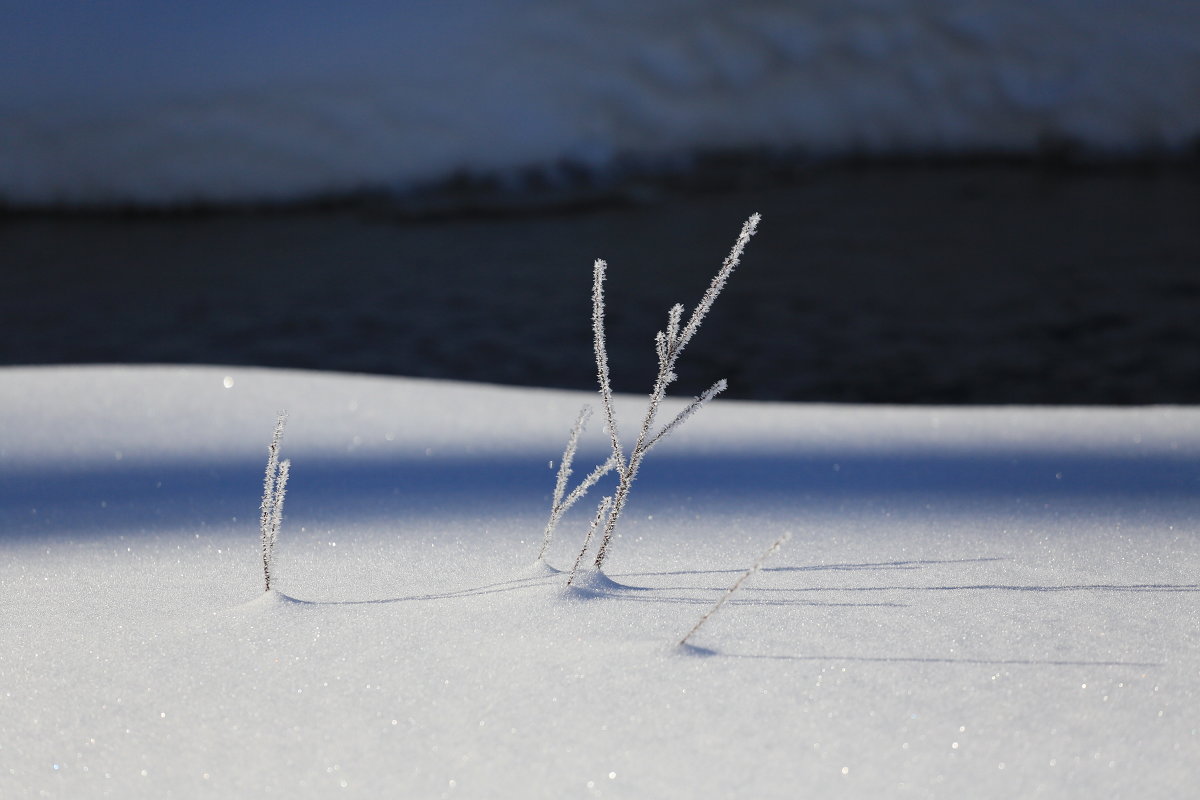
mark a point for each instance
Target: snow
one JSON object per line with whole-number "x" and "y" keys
{"x": 984, "y": 602}
{"x": 153, "y": 103}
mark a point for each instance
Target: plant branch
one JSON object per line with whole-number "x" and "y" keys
{"x": 601, "y": 510}
{"x": 271, "y": 509}
{"x": 691, "y": 408}
{"x": 749, "y": 228}
{"x": 669, "y": 344}
{"x": 610, "y": 417}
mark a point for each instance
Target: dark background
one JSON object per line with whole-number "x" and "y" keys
{"x": 960, "y": 281}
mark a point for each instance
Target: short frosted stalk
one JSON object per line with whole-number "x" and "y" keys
{"x": 271, "y": 509}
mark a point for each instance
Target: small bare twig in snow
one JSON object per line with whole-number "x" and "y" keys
{"x": 736, "y": 584}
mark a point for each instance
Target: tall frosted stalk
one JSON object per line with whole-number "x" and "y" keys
{"x": 669, "y": 345}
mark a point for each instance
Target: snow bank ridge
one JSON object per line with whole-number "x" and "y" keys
{"x": 181, "y": 103}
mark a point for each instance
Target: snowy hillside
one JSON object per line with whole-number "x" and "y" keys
{"x": 148, "y": 102}
{"x": 986, "y": 603}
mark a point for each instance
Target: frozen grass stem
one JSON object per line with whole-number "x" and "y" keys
{"x": 561, "y": 500}
{"x": 271, "y": 509}
{"x": 601, "y": 510}
{"x": 736, "y": 585}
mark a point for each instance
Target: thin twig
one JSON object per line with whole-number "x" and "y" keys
{"x": 271, "y": 508}
{"x": 742, "y": 579}
{"x": 285, "y": 467}
{"x": 749, "y": 228}
{"x": 691, "y": 408}
{"x": 601, "y": 510}
{"x": 673, "y": 318}
{"x": 588, "y": 482}
{"x": 557, "y": 507}
{"x": 610, "y": 417}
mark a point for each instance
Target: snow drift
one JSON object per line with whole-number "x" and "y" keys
{"x": 986, "y": 603}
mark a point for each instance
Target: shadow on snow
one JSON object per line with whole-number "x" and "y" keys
{"x": 172, "y": 495}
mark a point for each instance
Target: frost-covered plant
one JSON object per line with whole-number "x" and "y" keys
{"x": 669, "y": 345}
{"x": 271, "y": 509}
{"x": 561, "y": 500}
{"x": 601, "y": 511}
{"x": 736, "y": 585}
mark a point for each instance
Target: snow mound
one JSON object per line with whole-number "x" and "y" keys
{"x": 594, "y": 583}
{"x": 540, "y": 569}
{"x": 275, "y": 599}
{"x": 268, "y": 602}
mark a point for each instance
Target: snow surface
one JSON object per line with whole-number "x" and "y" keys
{"x": 150, "y": 102}
{"x": 974, "y": 602}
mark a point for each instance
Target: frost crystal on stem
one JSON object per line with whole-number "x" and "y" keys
{"x": 601, "y": 510}
{"x": 610, "y": 417}
{"x": 561, "y": 500}
{"x": 271, "y": 509}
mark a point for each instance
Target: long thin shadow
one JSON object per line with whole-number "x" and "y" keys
{"x": 653, "y": 594}
{"x": 503, "y": 587}
{"x": 880, "y": 565}
{"x": 1094, "y": 587}
{"x": 647, "y": 594}
{"x": 650, "y": 594}
{"x": 984, "y": 587}
{"x": 708, "y": 601}
{"x": 637, "y": 594}
{"x": 991, "y": 662}
{"x": 887, "y": 565}
{"x": 622, "y": 596}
